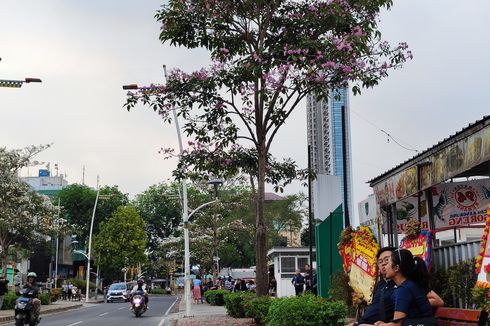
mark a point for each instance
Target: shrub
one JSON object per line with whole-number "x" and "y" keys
{"x": 9, "y": 301}
{"x": 340, "y": 290}
{"x": 234, "y": 303}
{"x": 257, "y": 308}
{"x": 45, "y": 298}
{"x": 214, "y": 297}
{"x": 158, "y": 290}
{"x": 306, "y": 310}
{"x": 55, "y": 294}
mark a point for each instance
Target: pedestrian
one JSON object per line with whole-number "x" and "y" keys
{"x": 298, "y": 282}
{"x": 314, "y": 282}
{"x": 307, "y": 277}
{"x": 69, "y": 291}
{"x": 3, "y": 289}
{"x": 196, "y": 291}
{"x": 273, "y": 287}
{"x": 64, "y": 290}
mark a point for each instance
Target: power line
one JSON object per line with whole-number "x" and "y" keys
{"x": 387, "y": 134}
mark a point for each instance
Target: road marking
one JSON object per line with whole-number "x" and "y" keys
{"x": 168, "y": 310}
{"x": 78, "y": 322}
{"x": 121, "y": 308}
{"x": 161, "y": 322}
{"x": 105, "y": 313}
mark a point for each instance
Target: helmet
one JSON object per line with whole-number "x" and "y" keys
{"x": 31, "y": 274}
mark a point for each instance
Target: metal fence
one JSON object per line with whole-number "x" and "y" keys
{"x": 446, "y": 256}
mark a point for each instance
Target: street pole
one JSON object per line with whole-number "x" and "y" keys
{"x": 87, "y": 289}
{"x": 57, "y": 246}
{"x": 185, "y": 218}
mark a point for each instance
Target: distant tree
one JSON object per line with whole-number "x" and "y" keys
{"x": 160, "y": 209}
{"x": 25, "y": 215}
{"x": 78, "y": 201}
{"x": 121, "y": 241}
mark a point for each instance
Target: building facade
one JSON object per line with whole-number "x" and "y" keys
{"x": 324, "y": 132}
{"x": 43, "y": 261}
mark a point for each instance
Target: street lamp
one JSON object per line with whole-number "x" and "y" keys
{"x": 87, "y": 289}
{"x": 185, "y": 213}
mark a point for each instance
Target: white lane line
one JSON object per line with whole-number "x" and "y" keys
{"x": 168, "y": 310}
{"x": 78, "y": 322}
{"x": 121, "y": 308}
{"x": 161, "y": 322}
{"x": 105, "y": 313}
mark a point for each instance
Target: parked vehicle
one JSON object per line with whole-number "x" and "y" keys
{"x": 118, "y": 292}
{"x": 138, "y": 303}
{"x": 23, "y": 308}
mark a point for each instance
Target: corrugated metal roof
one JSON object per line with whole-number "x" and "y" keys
{"x": 439, "y": 144}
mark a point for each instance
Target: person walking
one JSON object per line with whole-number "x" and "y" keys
{"x": 298, "y": 282}
{"x": 196, "y": 291}
{"x": 3, "y": 290}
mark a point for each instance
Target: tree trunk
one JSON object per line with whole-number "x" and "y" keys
{"x": 262, "y": 279}
{"x": 4, "y": 256}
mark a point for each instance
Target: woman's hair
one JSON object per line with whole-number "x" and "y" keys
{"x": 411, "y": 267}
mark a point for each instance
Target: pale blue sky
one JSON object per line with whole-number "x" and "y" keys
{"x": 85, "y": 50}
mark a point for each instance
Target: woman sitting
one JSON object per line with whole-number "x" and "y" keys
{"x": 411, "y": 277}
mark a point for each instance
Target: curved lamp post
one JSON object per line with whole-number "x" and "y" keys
{"x": 185, "y": 213}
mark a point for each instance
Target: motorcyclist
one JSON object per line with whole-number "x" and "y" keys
{"x": 141, "y": 286}
{"x": 36, "y": 303}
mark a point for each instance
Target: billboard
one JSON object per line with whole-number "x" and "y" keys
{"x": 456, "y": 204}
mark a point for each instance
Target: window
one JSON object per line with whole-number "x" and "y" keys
{"x": 288, "y": 264}
{"x": 302, "y": 261}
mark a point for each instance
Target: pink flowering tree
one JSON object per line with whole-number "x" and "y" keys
{"x": 266, "y": 57}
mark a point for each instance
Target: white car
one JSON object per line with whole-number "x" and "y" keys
{"x": 117, "y": 292}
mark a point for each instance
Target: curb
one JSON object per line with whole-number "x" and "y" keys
{"x": 6, "y": 319}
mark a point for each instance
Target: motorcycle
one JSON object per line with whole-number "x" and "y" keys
{"x": 138, "y": 303}
{"x": 23, "y": 308}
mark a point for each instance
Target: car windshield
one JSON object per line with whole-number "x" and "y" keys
{"x": 118, "y": 287}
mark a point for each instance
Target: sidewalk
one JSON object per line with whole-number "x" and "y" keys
{"x": 58, "y": 306}
{"x": 204, "y": 315}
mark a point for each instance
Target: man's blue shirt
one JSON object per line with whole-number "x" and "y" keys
{"x": 372, "y": 313}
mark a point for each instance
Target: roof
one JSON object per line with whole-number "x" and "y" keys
{"x": 289, "y": 250}
{"x": 435, "y": 148}
{"x": 270, "y": 196}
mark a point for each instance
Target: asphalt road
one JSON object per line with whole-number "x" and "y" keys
{"x": 111, "y": 314}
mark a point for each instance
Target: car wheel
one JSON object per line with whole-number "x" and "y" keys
{"x": 109, "y": 301}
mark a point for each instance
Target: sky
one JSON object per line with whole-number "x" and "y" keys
{"x": 84, "y": 51}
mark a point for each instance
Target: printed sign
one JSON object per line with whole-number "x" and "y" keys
{"x": 362, "y": 260}
{"x": 439, "y": 167}
{"x": 456, "y": 204}
{"x": 419, "y": 246}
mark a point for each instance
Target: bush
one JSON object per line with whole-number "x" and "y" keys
{"x": 9, "y": 301}
{"x": 158, "y": 290}
{"x": 306, "y": 310}
{"x": 213, "y": 297}
{"x": 234, "y": 303}
{"x": 257, "y": 308}
{"x": 55, "y": 294}
{"x": 340, "y": 290}
{"x": 45, "y": 298}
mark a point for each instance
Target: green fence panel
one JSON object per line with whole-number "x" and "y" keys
{"x": 327, "y": 235}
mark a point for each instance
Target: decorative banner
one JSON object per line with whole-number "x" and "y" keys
{"x": 482, "y": 266}
{"x": 419, "y": 246}
{"x": 441, "y": 166}
{"x": 456, "y": 204}
{"x": 358, "y": 250}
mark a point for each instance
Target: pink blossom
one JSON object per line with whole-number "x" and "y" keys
{"x": 347, "y": 69}
{"x": 224, "y": 50}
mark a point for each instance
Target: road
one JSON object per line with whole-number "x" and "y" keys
{"x": 111, "y": 314}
